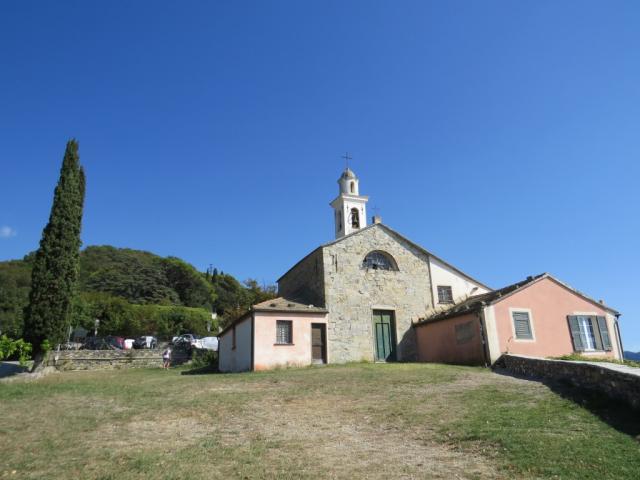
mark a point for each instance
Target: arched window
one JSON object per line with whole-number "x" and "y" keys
{"x": 353, "y": 187}
{"x": 378, "y": 260}
{"x": 355, "y": 218}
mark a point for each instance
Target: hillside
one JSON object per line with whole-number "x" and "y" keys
{"x": 121, "y": 287}
{"x": 635, "y": 356}
{"x": 143, "y": 277}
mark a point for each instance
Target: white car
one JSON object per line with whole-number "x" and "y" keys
{"x": 207, "y": 343}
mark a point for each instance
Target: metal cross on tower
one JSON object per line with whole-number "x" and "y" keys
{"x": 347, "y": 157}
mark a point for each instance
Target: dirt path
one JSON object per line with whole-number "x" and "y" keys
{"x": 353, "y": 438}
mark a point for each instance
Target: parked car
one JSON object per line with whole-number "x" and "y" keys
{"x": 207, "y": 343}
{"x": 116, "y": 342}
{"x": 128, "y": 343}
{"x": 109, "y": 342}
{"x": 186, "y": 341}
{"x": 146, "y": 341}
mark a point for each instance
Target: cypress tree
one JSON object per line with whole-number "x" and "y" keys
{"x": 55, "y": 267}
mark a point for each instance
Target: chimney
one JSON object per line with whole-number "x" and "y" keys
{"x": 376, "y": 219}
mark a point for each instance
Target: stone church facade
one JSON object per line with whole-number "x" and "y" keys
{"x": 374, "y": 283}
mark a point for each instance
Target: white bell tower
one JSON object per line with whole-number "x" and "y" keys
{"x": 350, "y": 208}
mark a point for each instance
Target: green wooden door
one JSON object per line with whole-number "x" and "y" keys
{"x": 384, "y": 334}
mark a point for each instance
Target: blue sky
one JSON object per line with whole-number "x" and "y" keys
{"x": 502, "y": 136}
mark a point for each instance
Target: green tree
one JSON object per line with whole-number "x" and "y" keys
{"x": 190, "y": 285}
{"x": 234, "y": 298}
{"x": 135, "y": 275}
{"x": 257, "y": 293}
{"x": 15, "y": 283}
{"x": 231, "y": 297}
{"x": 55, "y": 267}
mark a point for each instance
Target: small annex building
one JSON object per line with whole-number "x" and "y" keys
{"x": 274, "y": 333}
{"x": 540, "y": 316}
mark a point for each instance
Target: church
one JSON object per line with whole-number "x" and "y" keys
{"x": 373, "y": 295}
{"x": 374, "y": 283}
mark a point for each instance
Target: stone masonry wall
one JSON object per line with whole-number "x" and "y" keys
{"x": 110, "y": 359}
{"x": 617, "y": 382}
{"x": 304, "y": 282}
{"x": 352, "y": 292}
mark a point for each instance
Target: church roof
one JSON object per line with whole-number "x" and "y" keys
{"x": 477, "y": 302}
{"x": 397, "y": 235}
{"x": 282, "y": 304}
{"x": 278, "y": 305}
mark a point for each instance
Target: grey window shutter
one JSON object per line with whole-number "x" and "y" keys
{"x": 596, "y": 333}
{"x": 604, "y": 333}
{"x": 574, "y": 328}
{"x": 522, "y": 325}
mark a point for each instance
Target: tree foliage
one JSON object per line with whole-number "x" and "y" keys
{"x": 134, "y": 292}
{"x": 234, "y": 298}
{"x": 18, "y": 349}
{"x": 191, "y": 286}
{"x": 55, "y": 266}
{"x": 144, "y": 278}
{"x": 119, "y": 317}
{"x": 113, "y": 283}
{"x": 15, "y": 283}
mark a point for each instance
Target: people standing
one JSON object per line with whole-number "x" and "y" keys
{"x": 166, "y": 358}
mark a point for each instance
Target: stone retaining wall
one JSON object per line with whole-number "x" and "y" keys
{"x": 110, "y": 359}
{"x": 615, "y": 381}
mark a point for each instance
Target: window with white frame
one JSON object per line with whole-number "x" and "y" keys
{"x": 445, "y": 294}
{"x": 284, "y": 332}
{"x": 589, "y": 333}
{"x": 522, "y": 325}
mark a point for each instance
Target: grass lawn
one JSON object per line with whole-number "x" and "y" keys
{"x": 353, "y": 421}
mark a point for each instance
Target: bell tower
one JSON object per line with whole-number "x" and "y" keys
{"x": 350, "y": 208}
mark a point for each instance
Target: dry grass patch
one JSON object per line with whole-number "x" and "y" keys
{"x": 355, "y": 421}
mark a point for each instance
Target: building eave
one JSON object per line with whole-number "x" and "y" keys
{"x": 238, "y": 320}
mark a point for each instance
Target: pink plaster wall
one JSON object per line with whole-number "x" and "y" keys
{"x": 436, "y": 342}
{"x": 269, "y": 355}
{"x": 550, "y": 303}
{"x": 236, "y": 359}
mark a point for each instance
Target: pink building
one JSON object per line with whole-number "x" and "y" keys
{"x": 539, "y": 316}
{"x": 275, "y": 333}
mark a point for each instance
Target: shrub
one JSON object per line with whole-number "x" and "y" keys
{"x": 204, "y": 360}
{"x": 15, "y": 349}
{"x": 119, "y": 317}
